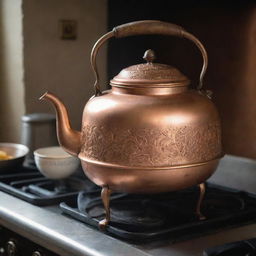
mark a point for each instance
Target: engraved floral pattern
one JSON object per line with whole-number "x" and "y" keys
{"x": 152, "y": 147}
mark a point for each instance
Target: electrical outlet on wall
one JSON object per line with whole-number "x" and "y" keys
{"x": 68, "y": 29}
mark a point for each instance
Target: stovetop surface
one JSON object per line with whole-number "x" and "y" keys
{"x": 66, "y": 236}
{"x": 28, "y": 184}
{"x": 171, "y": 216}
{"x": 135, "y": 217}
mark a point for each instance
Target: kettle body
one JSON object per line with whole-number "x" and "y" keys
{"x": 148, "y": 143}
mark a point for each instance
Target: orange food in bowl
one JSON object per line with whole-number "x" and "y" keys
{"x": 4, "y": 155}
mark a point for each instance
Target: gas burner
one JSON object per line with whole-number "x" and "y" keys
{"x": 134, "y": 212}
{"x": 171, "y": 215}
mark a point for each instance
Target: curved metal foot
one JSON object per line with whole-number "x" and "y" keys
{"x": 199, "y": 202}
{"x": 105, "y": 196}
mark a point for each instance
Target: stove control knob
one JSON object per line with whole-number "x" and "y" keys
{"x": 2, "y": 251}
{"x": 11, "y": 248}
{"x": 37, "y": 253}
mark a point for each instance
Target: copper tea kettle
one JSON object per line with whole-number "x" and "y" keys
{"x": 149, "y": 133}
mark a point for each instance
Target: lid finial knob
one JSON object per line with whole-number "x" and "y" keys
{"x": 149, "y": 56}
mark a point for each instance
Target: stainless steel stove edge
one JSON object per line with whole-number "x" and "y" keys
{"x": 58, "y": 233}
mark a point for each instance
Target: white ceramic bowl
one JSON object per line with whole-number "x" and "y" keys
{"x": 55, "y": 163}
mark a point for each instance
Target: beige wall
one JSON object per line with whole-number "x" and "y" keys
{"x": 11, "y": 70}
{"x": 34, "y": 59}
{"x": 61, "y": 66}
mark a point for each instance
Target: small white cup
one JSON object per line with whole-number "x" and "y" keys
{"x": 54, "y": 163}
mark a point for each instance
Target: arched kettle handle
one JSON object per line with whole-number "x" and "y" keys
{"x": 147, "y": 27}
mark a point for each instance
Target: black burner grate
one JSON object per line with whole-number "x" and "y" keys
{"x": 171, "y": 215}
{"x": 34, "y": 188}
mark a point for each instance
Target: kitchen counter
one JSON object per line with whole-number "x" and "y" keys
{"x": 67, "y": 237}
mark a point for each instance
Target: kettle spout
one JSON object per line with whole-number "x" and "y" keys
{"x": 68, "y": 138}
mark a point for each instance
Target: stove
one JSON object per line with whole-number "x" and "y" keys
{"x": 64, "y": 217}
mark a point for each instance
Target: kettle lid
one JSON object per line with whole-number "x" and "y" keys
{"x": 150, "y": 75}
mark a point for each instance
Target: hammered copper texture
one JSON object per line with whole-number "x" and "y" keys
{"x": 150, "y": 73}
{"x": 169, "y": 146}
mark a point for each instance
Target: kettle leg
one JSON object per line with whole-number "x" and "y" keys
{"x": 105, "y": 196}
{"x": 199, "y": 202}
